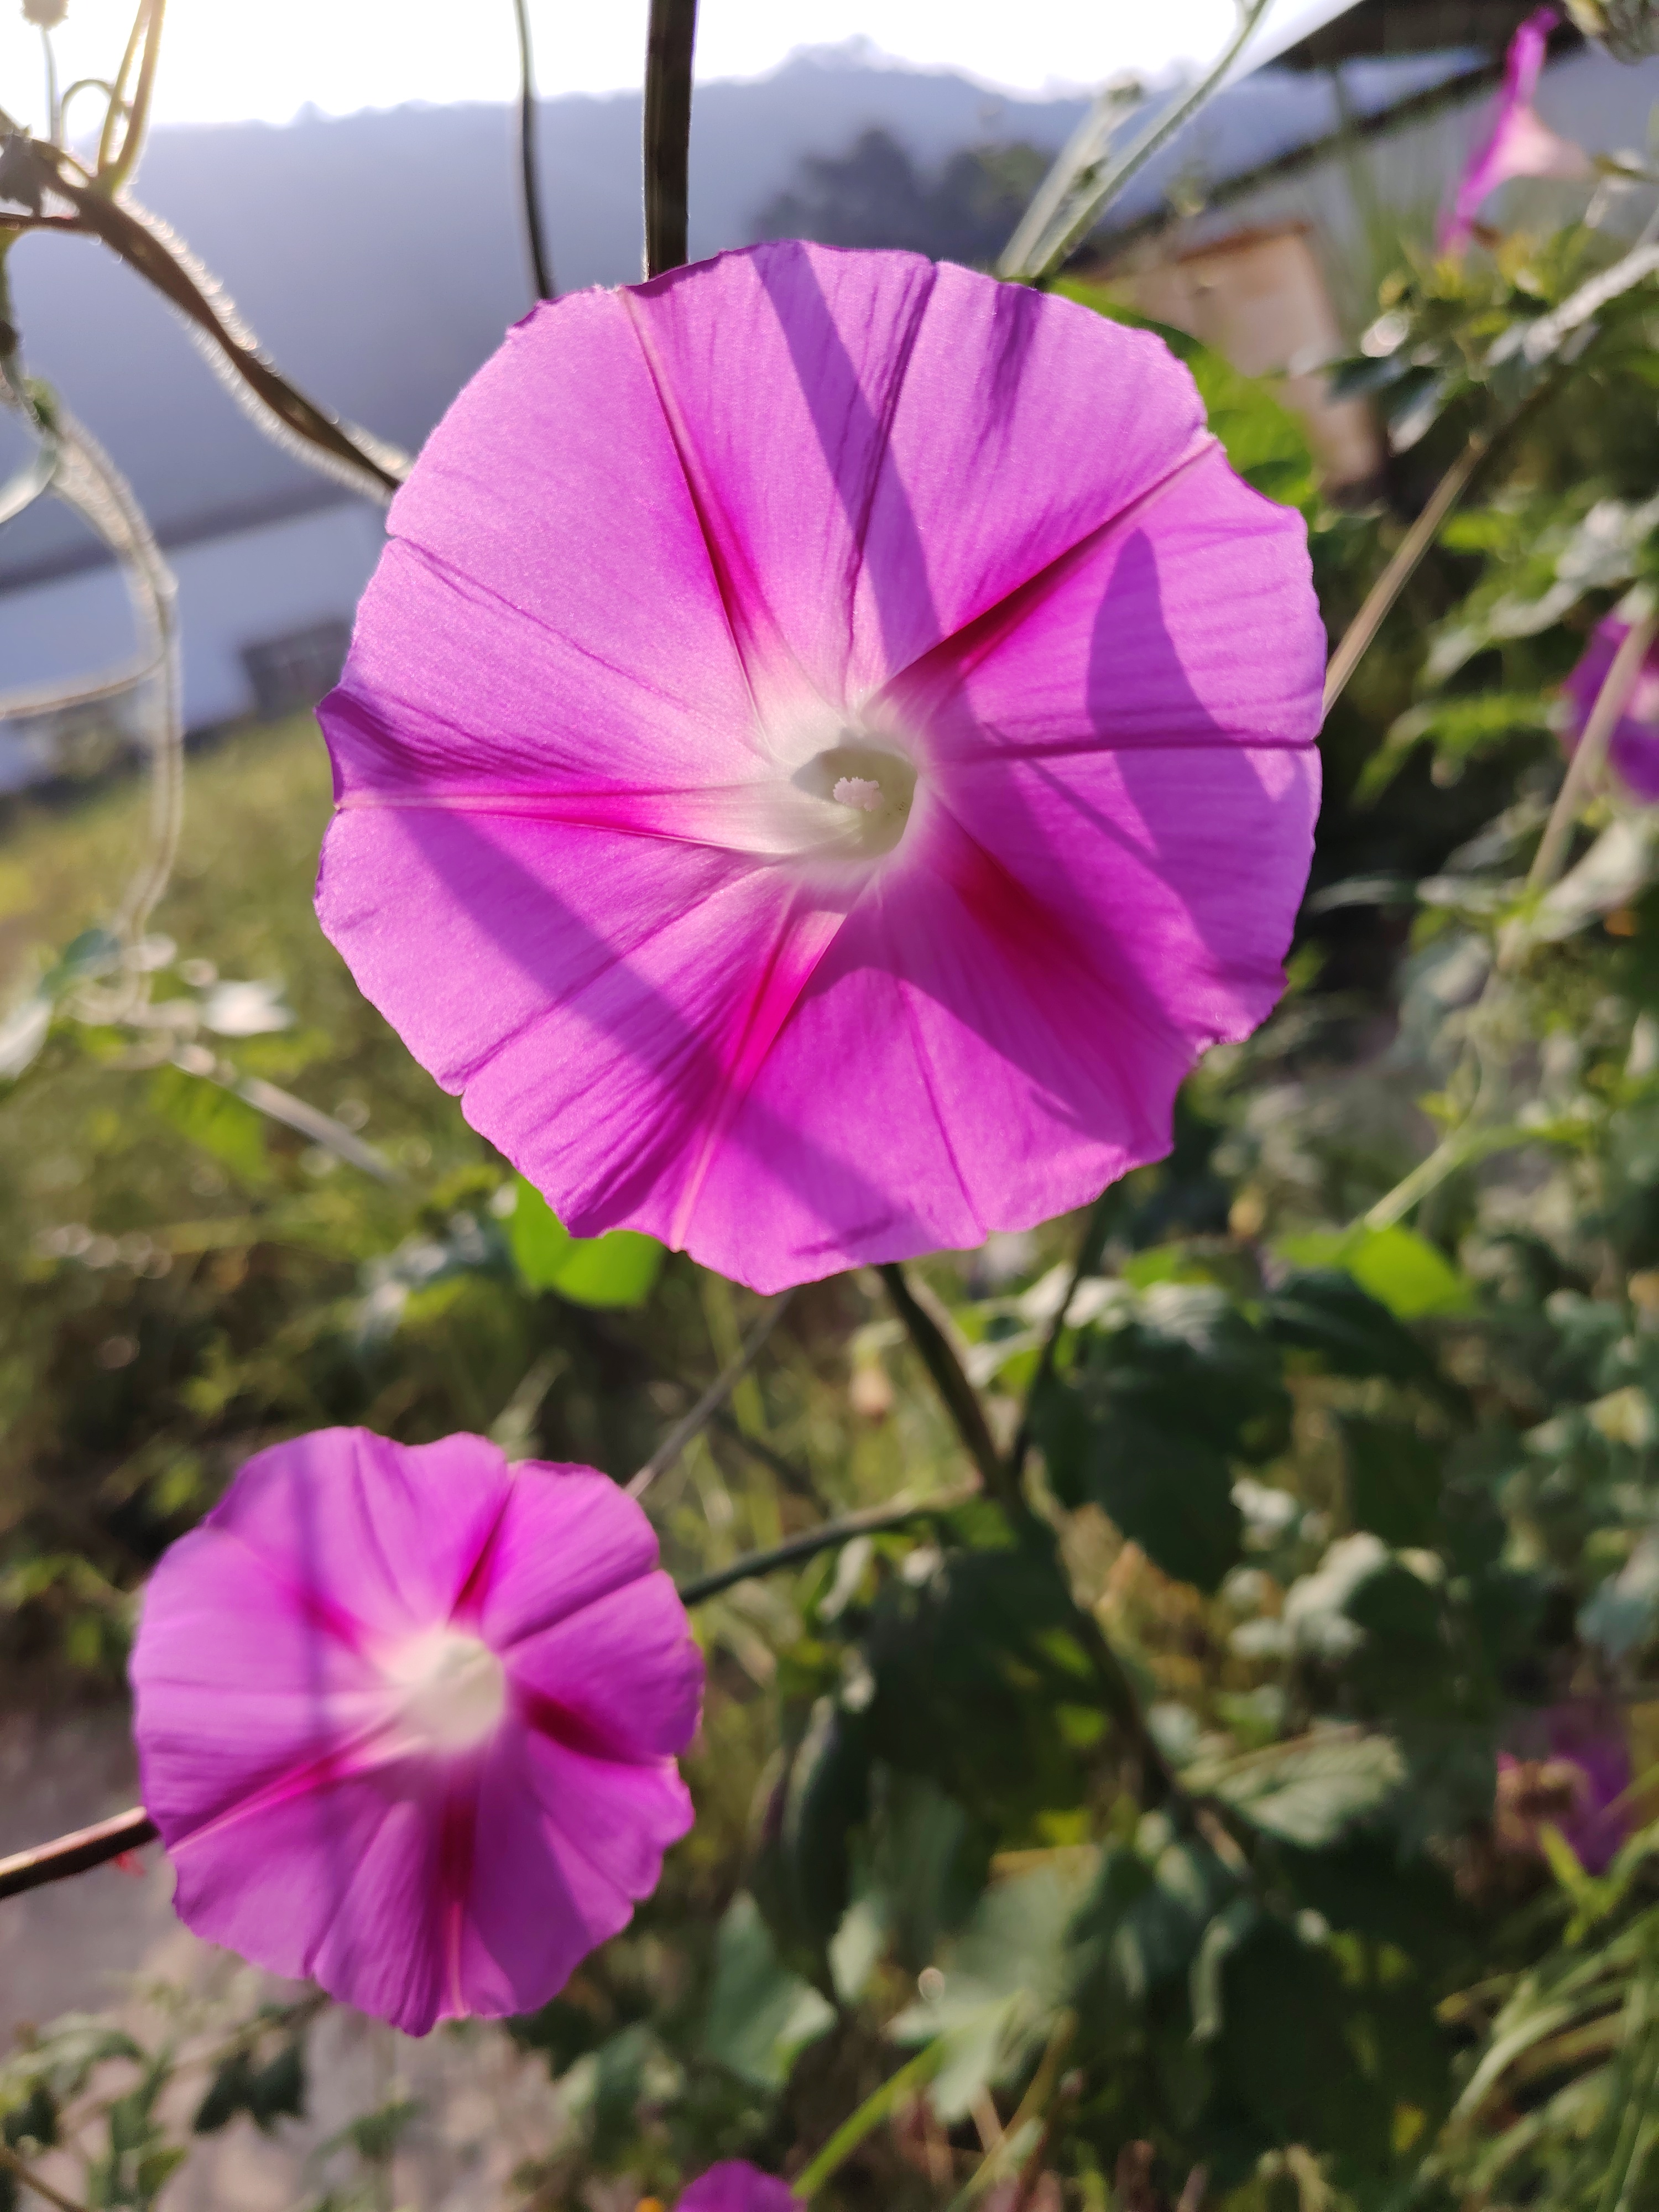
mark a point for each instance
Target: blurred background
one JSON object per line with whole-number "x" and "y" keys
{"x": 352, "y": 186}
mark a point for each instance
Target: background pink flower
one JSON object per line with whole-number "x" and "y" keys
{"x": 1634, "y": 752}
{"x": 734, "y": 2185}
{"x": 1521, "y": 143}
{"x": 1577, "y": 1785}
{"x": 407, "y": 1720}
{"x": 829, "y": 743}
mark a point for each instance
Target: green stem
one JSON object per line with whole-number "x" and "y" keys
{"x": 712, "y": 1399}
{"x": 11, "y": 2163}
{"x": 869, "y": 2115}
{"x": 119, "y": 105}
{"x": 668, "y": 41}
{"x": 928, "y": 1333}
{"x": 541, "y": 266}
{"x": 824, "y": 1538}
{"x": 1048, "y": 253}
{"x": 112, "y": 176}
{"x": 1156, "y": 1783}
{"x": 1585, "y": 768}
{"x": 1090, "y": 1248}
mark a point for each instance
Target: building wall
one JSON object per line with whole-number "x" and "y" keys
{"x": 244, "y": 589}
{"x": 1358, "y": 208}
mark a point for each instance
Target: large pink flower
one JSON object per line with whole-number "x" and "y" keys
{"x": 1520, "y": 142}
{"x": 1634, "y": 752}
{"x": 734, "y": 2185}
{"x": 828, "y": 744}
{"x": 407, "y": 1720}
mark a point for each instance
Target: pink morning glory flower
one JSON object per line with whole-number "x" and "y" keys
{"x": 734, "y": 2185}
{"x": 1578, "y": 1786}
{"x": 828, "y": 744}
{"x": 1634, "y": 752}
{"x": 407, "y": 1720}
{"x": 1520, "y": 143}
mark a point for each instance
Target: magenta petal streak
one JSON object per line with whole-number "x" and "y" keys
{"x": 829, "y": 743}
{"x": 407, "y": 1721}
{"x": 1520, "y": 142}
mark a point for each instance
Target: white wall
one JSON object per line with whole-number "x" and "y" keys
{"x": 234, "y": 591}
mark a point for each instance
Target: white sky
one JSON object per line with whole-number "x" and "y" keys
{"x": 229, "y": 59}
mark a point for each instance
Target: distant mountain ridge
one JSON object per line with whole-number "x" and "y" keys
{"x": 379, "y": 258}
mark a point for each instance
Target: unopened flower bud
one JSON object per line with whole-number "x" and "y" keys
{"x": 48, "y": 14}
{"x": 1629, "y": 29}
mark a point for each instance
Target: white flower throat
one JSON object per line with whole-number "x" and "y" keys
{"x": 455, "y": 1687}
{"x": 870, "y": 786}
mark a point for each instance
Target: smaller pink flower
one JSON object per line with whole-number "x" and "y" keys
{"x": 407, "y": 1720}
{"x": 734, "y": 2185}
{"x": 1577, "y": 1786}
{"x": 1521, "y": 143}
{"x": 1634, "y": 752}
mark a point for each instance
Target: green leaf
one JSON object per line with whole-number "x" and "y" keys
{"x": 1325, "y": 1310}
{"x": 215, "y": 1119}
{"x": 1003, "y": 1980}
{"x": 227, "y": 2093}
{"x": 1170, "y": 1387}
{"x": 975, "y": 1680}
{"x": 1402, "y": 1270}
{"x": 1286, "y": 2048}
{"x": 1171, "y": 1492}
{"x": 760, "y": 2016}
{"x": 278, "y": 2089}
{"x": 617, "y": 1269}
{"x": 1309, "y": 1790}
{"x": 1394, "y": 1480}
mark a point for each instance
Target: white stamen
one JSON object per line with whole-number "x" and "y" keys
{"x": 456, "y": 1686}
{"x": 860, "y": 792}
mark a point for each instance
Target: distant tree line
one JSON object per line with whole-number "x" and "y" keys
{"x": 875, "y": 195}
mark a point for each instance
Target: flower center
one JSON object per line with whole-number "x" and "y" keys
{"x": 873, "y": 787}
{"x": 456, "y": 1688}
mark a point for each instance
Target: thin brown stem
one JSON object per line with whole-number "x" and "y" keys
{"x": 712, "y": 1399}
{"x": 541, "y": 265}
{"x": 928, "y": 1330}
{"x": 1589, "y": 756}
{"x": 807, "y": 1545}
{"x": 76, "y": 1852}
{"x": 1379, "y": 600}
{"x": 667, "y": 131}
{"x": 22, "y": 2170}
{"x": 1156, "y": 1781}
{"x": 348, "y": 454}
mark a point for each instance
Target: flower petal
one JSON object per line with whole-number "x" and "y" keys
{"x": 592, "y": 983}
{"x": 566, "y": 1845}
{"x": 239, "y": 1679}
{"x": 927, "y": 442}
{"x": 622, "y": 1677}
{"x": 375, "y": 1533}
{"x": 568, "y": 1537}
{"x": 340, "y": 1884}
{"x": 547, "y": 610}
